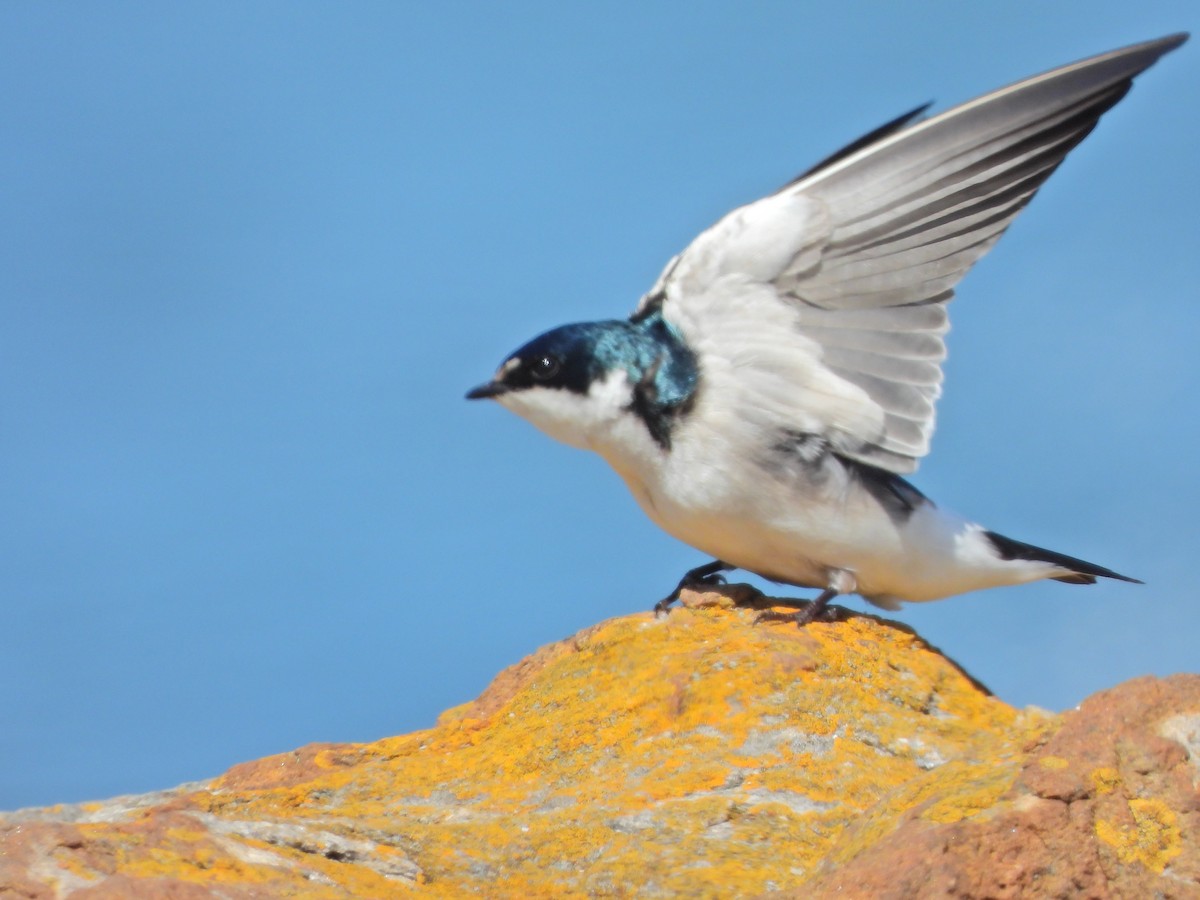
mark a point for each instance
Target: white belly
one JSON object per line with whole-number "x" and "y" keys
{"x": 792, "y": 530}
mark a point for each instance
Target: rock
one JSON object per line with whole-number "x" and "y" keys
{"x": 696, "y": 755}
{"x": 1107, "y": 806}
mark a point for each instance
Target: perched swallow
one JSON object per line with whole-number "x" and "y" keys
{"x": 776, "y": 383}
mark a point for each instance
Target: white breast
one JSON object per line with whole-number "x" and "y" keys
{"x": 714, "y": 492}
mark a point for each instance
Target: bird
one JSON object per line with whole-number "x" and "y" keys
{"x": 770, "y": 392}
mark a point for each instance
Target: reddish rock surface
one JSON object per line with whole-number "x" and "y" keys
{"x": 699, "y": 755}
{"x": 1108, "y": 806}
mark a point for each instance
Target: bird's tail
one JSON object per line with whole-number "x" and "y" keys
{"x": 1082, "y": 572}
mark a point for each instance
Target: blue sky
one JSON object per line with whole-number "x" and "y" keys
{"x": 252, "y": 255}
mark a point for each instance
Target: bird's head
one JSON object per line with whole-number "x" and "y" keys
{"x": 577, "y": 382}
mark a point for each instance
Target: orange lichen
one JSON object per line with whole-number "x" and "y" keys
{"x": 673, "y": 756}
{"x": 768, "y": 734}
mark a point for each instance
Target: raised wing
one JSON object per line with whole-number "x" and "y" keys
{"x": 829, "y": 297}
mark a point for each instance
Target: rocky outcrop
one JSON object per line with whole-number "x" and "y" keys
{"x": 697, "y": 755}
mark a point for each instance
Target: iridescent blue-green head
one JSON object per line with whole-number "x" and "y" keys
{"x": 577, "y": 381}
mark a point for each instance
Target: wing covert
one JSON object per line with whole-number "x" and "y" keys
{"x": 864, "y": 250}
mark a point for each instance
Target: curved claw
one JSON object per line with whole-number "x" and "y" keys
{"x": 814, "y": 611}
{"x": 708, "y": 575}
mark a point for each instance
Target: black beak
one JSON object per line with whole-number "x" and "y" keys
{"x": 484, "y": 391}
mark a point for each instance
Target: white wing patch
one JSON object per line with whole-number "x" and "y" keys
{"x": 746, "y": 243}
{"x": 758, "y": 381}
{"x": 826, "y": 302}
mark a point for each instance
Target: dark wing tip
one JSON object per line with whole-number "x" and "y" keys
{"x": 1134, "y": 59}
{"x": 1171, "y": 41}
{"x": 1083, "y": 572}
{"x": 1121, "y": 577}
{"x": 1091, "y": 579}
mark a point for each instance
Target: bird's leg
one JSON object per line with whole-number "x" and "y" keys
{"x": 840, "y": 582}
{"x": 707, "y": 574}
{"x": 809, "y": 612}
{"x": 818, "y": 609}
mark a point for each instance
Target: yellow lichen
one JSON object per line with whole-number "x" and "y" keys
{"x": 1153, "y": 839}
{"x": 674, "y": 755}
{"x": 70, "y": 862}
{"x": 975, "y": 789}
{"x": 1105, "y": 780}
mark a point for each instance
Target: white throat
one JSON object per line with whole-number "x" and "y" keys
{"x": 586, "y": 420}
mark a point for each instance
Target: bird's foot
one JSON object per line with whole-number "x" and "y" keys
{"x": 707, "y": 575}
{"x": 817, "y": 610}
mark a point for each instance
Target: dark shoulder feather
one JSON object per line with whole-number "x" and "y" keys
{"x": 884, "y": 130}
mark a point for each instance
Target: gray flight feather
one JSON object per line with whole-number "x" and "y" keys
{"x": 864, "y": 252}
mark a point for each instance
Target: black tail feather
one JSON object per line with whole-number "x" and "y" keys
{"x": 1084, "y": 572}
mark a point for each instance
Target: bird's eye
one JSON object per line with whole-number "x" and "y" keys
{"x": 545, "y": 367}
